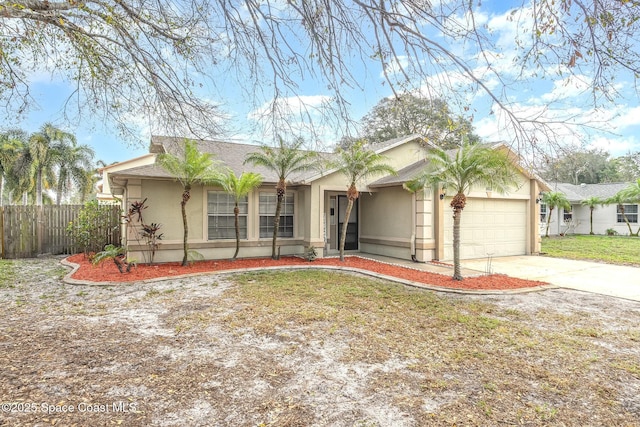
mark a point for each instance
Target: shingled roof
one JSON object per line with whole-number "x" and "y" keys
{"x": 231, "y": 154}
{"x": 577, "y": 193}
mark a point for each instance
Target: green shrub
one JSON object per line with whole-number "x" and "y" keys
{"x": 88, "y": 230}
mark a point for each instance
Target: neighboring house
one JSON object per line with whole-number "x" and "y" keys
{"x": 576, "y": 220}
{"x": 386, "y": 219}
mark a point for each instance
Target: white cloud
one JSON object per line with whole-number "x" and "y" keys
{"x": 569, "y": 87}
{"x": 616, "y": 146}
{"x": 628, "y": 117}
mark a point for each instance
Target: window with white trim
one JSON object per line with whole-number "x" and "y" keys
{"x": 221, "y": 219}
{"x": 543, "y": 212}
{"x": 567, "y": 215}
{"x": 267, "y": 212}
{"x": 630, "y": 211}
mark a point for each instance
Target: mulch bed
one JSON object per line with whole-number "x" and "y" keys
{"x": 108, "y": 272}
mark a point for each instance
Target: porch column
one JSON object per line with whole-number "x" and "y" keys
{"x": 134, "y": 194}
{"x": 535, "y": 240}
{"x": 439, "y": 208}
{"x": 425, "y": 237}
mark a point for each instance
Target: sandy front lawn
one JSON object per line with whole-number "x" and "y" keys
{"x": 307, "y": 348}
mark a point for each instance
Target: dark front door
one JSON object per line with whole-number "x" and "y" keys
{"x": 351, "y": 241}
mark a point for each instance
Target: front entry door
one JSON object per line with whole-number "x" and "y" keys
{"x": 351, "y": 241}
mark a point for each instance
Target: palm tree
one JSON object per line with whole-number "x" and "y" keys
{"x": 88, "y": 184}
{"x": 620, "y": 199}
{"x": 45, "y": 147}
{"x": 12, "y": 143}
{"x": 74, "y": 163}
{"x": 357, "y": 162}
{"x": 239, "y": 187}
{"x": 20, "y": 176}
{"x": 472, "y": 164}
{"x": 189, "y": 168}
{"x": 554, "y": 199}
{"x": 592, "y": 202}
{"x": 632, "y": 194}
{"x": 284, "y": 160}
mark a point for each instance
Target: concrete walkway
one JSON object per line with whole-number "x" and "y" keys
{"x": 605, "y": 279}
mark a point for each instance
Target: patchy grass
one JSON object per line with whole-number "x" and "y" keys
{"x": 7, "y": 273}
{"x": 451, "y": 345}
{"x": 310, "y": 347}
{"x": 622, "y": 250}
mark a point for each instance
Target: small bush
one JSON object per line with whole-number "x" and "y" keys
{"x": 88, "y": 231}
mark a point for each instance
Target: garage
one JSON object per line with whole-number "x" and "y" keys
{"x": 489, "y": 227}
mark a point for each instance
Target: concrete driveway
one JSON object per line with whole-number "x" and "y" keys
{"x": 606, "y": 279}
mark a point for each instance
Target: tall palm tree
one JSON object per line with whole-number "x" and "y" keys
{"x": 73, "y": 162}
{"x": 632, "y": 194}
{"x": 12, "y": 143}
{"x": 238, "y": 188}
{"x": 357, "y": 162}
{"x": 592, "y": 202}
{"x": 472, "y": 164}
{"x": 632, "y": 191}
{"x": 188, "y": 168}
{"x": 620, "y": 199}
{"x": 554, "y": 199}
{"x": 88, "y": 184}
{"x": 284, "y": 160}
{"x": 20, "y": 177}
{"x": 45, "y": 147}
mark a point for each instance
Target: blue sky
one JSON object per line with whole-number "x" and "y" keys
{"x": 560, "y": 98}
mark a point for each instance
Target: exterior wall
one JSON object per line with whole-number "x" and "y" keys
{"x": 403, "y": 155}
{"x": 336, "y": 183}
{"x": 387, "y": 222}
{"x": 163, "y": 201}
{"x": 318, "y": 207}
{"x": 107, "y": 195}
{"x": 494, "y": 224}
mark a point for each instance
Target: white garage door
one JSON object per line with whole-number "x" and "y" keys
{"x": 489, "y": 227}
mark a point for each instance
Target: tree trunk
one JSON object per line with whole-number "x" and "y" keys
{"x": 624, "y": 216}
{"x": 458, "y": 203}
{"x": 39, "y": 188}
{"x": 276, "y": 225}
{"x": 186, "y": 195}
{"x": 345, "y": 224}
{"x": 457, "y": 273}
{"x": 59, "y": 191}
{"x": 546, "y": 234}
{"x": 591, "y": 221}
{"x": 236, "y": 213}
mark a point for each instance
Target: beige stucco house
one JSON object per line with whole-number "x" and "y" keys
{"x": 386, "y": 219}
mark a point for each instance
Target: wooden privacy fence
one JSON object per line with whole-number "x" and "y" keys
{"x": 29, "y": 231}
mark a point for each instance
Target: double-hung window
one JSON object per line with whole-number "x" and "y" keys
{"x": 543, "y": 212}
{"x": 630, "y": 211}
{"x": 567, "y": 215}
{"x": 267, "y": 208}
{"x": 221, "y": 219}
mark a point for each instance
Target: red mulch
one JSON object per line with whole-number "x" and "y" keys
{"x": 108, "y": 272}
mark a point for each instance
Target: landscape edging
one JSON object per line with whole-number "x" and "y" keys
{"x": 71, "y": 281}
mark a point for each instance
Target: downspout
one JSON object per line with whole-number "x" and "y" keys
{"x": 414, "y": 225}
